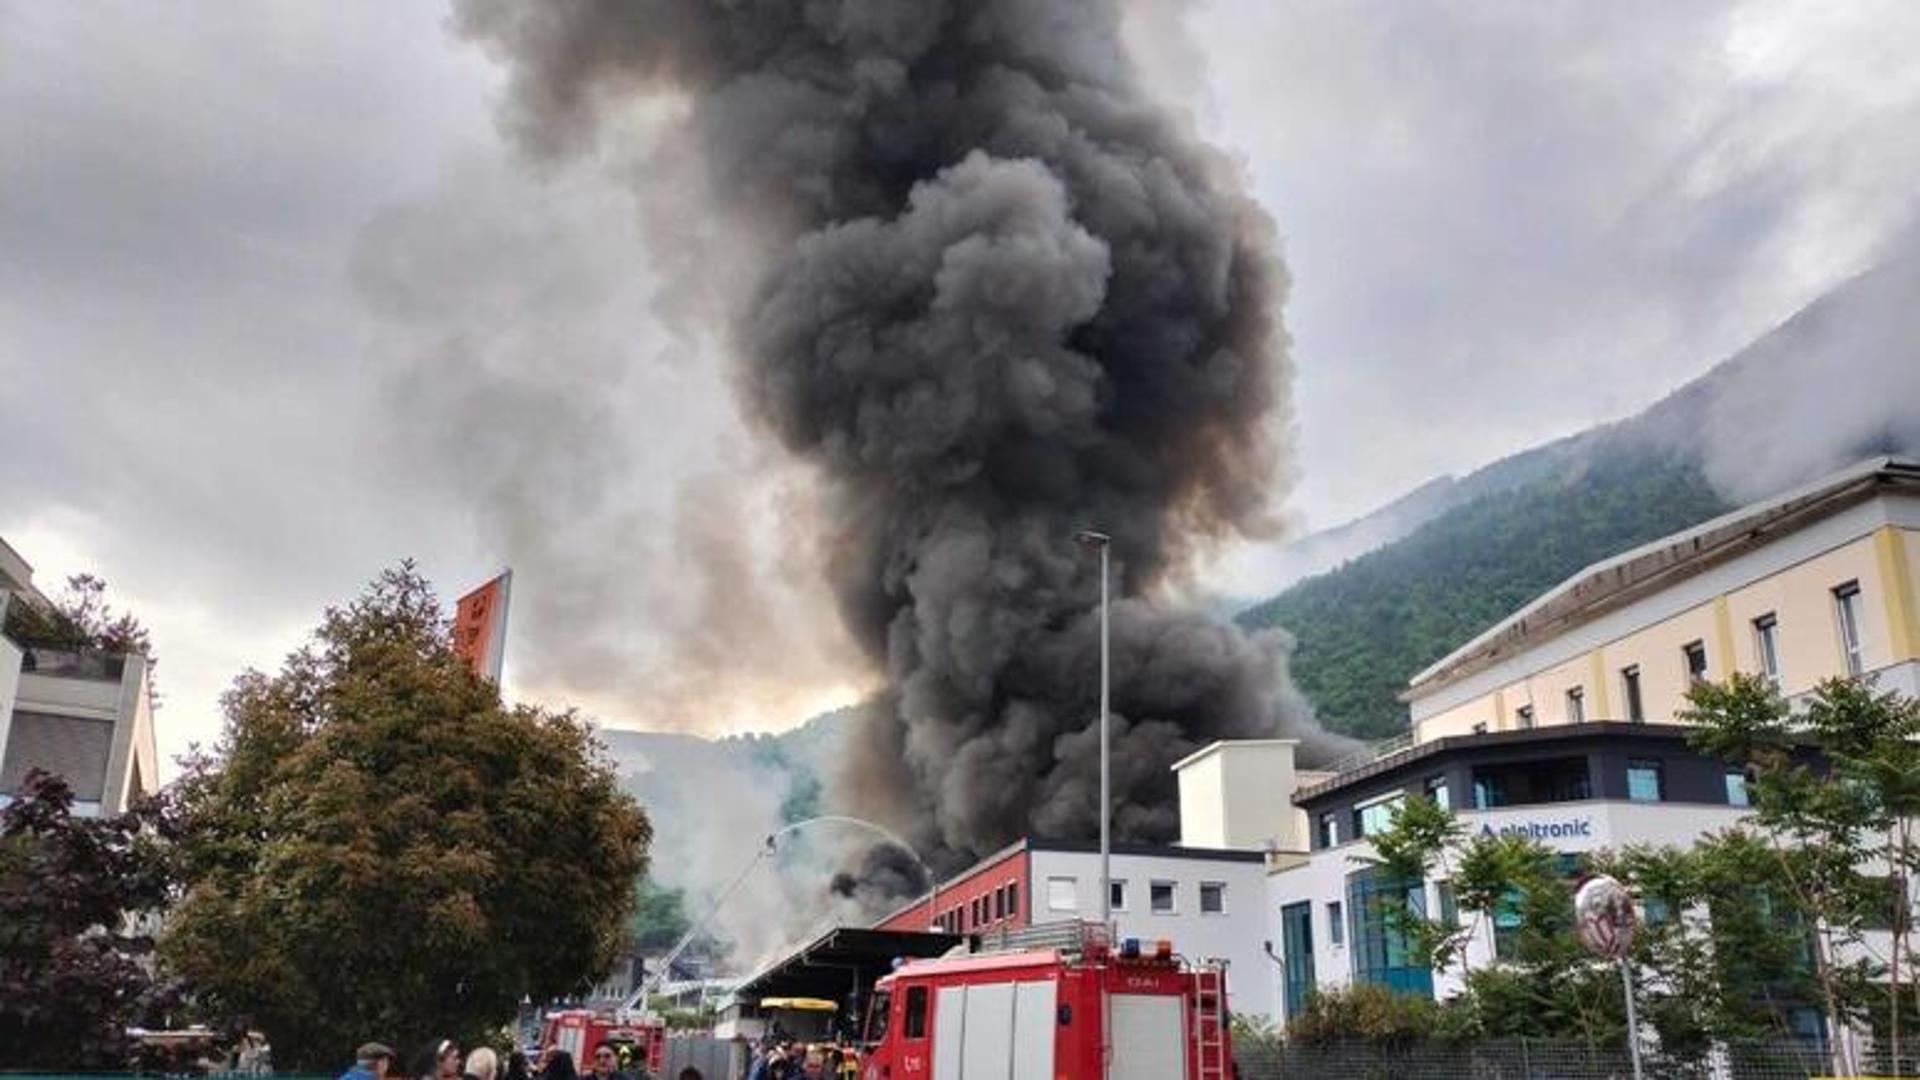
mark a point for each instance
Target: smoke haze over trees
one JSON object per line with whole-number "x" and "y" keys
{"x": 1837, "y": 382}
{"x": 992, "y": 294}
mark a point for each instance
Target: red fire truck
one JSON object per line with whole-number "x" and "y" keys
{"x": 1043, "y": 1013}
{"x": 641, "y": 1041}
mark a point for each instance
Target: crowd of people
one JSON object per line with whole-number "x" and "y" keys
{"x": 788, "y": 1059}
{"x": 444, "y": 1061}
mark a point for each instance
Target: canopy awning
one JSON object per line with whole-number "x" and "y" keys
{"x": 842, "y": 964}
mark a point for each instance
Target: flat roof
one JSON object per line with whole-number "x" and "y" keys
{"x": 1220, "y": 744}
{"x": 1421, "y": 755}
{"x": 1157, "y": 851}
{"x": 1614, "y": 582}
{"x": 1079, "y": 847}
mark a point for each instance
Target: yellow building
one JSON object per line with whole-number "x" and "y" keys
{"x": 1816, "y": 583}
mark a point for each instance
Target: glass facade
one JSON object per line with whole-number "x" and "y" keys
{"x": 1527, "y": 783}
{"x": 1382, "y": 955}
{"x": 1376, "y": 817}
{"x": 1296, "y": 954}
{"x": 1737, "y": 789}
{"x": 1645, "y": 781}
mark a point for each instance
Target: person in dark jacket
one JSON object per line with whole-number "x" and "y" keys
{"x": 606, "y": 1064}
{"x": 559, "y": 1067}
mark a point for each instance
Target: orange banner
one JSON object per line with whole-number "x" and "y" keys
{"x": 480, "y": 626}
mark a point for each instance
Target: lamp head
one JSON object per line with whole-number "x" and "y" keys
{"x": 1092, "y": 538}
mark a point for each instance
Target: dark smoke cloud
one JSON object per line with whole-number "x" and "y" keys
{"x": 1001, "y": 296}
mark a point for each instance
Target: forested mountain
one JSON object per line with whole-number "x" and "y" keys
{"x": 1362, "y": 631}
{"x": 1837, "y": 382}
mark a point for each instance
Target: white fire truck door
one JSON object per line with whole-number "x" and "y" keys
{"x": 997, "y": 1031}
{"x": 1149, "y": 1037}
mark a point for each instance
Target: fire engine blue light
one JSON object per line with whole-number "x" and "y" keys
{"x": 1130, "y": 948}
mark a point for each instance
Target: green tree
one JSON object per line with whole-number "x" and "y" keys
{"x": 1835, "y": 790}
{"x": 380, "y": 848}
{"x": 1366, "y": 628}
{"x": 73, "y": 972}
{"x": 80, "y": 618}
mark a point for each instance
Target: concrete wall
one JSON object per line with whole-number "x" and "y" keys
{"x": 10, "y": 656}
{"x": 1237, "y": 935}
{"x": 1792, "y": 578}
{"x": 126, "y": 703}
{"x": 1240, "y": 795}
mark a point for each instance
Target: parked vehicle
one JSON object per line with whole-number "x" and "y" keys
{"x": 641, "y": 1040}
{"x": 1043, "y": 1013}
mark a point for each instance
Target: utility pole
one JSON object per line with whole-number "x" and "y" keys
{"x": 1104, "y": 543}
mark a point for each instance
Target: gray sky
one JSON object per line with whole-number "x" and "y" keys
{"x": 278, "y": 306}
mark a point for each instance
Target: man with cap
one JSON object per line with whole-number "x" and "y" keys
{"x": 370, "y": 1062}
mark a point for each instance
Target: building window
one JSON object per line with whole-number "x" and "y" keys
{"x": 1160, "y": 897}
{"x": 916, "y": 1019}
{"x": 1437, "y": 792}
{"x": 1377, "y": 816}
{"x": 1383, "y": 953}
{"x": 1655, "y": 911}
{"x": 1695, "y": 653}
{"x": 1507, "y": 924}
{"x": 980, "y": 911}
{"x": 1117, "y": 894}
{"x": 1530, "y": 783}
{"x": 1523, "y": 717}
{"x": 1449, "y": 904}
{"x": 999, "y": 903}
{"x": 1737, "y": 789}
{"x": 1296, "y": 954}
{"x": 1329, "y": 830}
{"x": 1336, "y": 922}
{"x": 1213, "y": 898}
{"x": 1766, "y": 644}
{"x": 1645, "y": 781}
{"x": 1576, "y": 706}
{"x": 1062, "y": 894}
{"x": 1630, "y": 678}
{"x": 1846, "y": 606}
{"x": 1013, "y": 899}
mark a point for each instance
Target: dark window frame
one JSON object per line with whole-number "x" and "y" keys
{"x": 914, "y": 1023}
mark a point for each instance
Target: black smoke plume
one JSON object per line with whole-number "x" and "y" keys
{"x": 1003, "y": 297}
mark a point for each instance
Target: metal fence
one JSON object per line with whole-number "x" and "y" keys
{"x": 711, "y": 1056}
{"x": 1522, "y": 1059}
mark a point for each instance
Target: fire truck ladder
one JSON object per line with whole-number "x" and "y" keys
{"x": 1210, "y": 1023}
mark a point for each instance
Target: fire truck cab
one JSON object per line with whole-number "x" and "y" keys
{"x": 641, "y": 1042}
{"x": 1041, "y": 1014}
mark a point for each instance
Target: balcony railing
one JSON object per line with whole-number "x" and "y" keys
{"x": 73, "y": 663}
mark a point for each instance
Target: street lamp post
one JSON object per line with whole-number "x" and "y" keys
{"x": 1104, "y": 543}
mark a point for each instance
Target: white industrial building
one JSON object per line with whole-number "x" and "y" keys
{"x": 1560, "y": 721}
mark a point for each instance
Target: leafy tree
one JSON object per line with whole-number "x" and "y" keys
{"x": 381, "y": 849}
{"x": 73, "y": 959}
{"x": 659, "y": 915}
{"x": 80, "y": 618}
{"x": 1838, "y": 822}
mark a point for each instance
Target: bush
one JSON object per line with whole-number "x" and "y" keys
{"x": 1372, "y": 1014}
